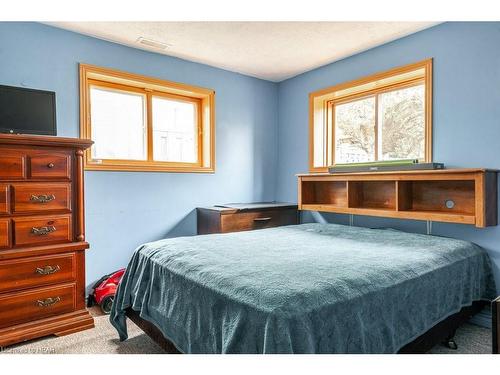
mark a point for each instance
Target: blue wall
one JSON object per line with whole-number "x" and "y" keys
{"x": 125, "y": 209}
{"x": 261, "y": 135}
{"x": 466, "y": 109}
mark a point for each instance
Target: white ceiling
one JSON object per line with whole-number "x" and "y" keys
{"x": 269, "y": 50}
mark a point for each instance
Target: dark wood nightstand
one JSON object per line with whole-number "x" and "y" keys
{"x": 495, "y": 326}
{"x": 245, "y": 216}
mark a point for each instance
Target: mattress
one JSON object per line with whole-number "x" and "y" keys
{"x": 310, "y": 288}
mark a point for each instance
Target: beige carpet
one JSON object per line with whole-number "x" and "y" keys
{"x": 471, "y": 339}
{"x": 103, "y": 339}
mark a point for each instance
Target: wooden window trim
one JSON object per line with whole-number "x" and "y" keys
{"x": 321, "y": 106}
{"x": 149, "y": 87}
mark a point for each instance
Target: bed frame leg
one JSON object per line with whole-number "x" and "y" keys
{"x": 450, "y": 343}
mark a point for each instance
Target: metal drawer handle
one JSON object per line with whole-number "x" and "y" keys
{"x": 262, "y": 219}
{"x": 48, "y": 301}
{"x": 47, "y": 270}
{"x": 42, "y": 198}
{"x": 43, "y": 231}
{"x": 50, "y": 165}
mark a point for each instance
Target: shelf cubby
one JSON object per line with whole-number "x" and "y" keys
{"x": 332, "y": 193}
{"x": 372, "y": 194}
{"x": 455, "y": 197}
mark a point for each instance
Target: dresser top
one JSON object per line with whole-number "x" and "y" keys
{"x": 43, "y": 140}
{"x": 256, "y": 206}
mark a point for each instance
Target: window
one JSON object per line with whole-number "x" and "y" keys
{"x": 386, "y": 116}
{"x": 145, "y": 124}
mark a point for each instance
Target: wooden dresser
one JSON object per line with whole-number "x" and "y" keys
{"x": 42, "y": 240}
{"x": 247, "y": 216}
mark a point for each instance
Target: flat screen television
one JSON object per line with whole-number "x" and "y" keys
{"x": 27, "y": 111}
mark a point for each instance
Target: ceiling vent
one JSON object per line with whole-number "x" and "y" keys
{"x": 153, "y": 43}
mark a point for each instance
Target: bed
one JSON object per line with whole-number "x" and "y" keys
{"x": 309, "y": 288}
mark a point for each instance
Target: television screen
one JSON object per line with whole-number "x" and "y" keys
{"x": 27, "y": 111}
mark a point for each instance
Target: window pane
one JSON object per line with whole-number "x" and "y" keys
{"x": 117, "y": 124}
{"x": 355, "y": 131}
{"x": 402, "y": 124}
{"x": 175, "y": 130}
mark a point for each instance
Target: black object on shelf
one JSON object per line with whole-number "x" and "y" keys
{"x": 385, "y": 168}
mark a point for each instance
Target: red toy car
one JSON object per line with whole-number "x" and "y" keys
{"x": 104, "y": 290}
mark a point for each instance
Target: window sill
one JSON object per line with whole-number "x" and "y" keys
{"x": 147, "y": 168}
{"x": 318, "y": 170}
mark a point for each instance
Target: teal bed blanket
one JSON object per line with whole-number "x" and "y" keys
{"x": 310, "y": 288}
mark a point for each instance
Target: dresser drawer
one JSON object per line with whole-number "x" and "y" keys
{"x": 53, "y": 165}
{"x": 257, "y": 220}
{"x": 4, "y": 233}
{"x": 37, "y": 197}
{"x": 39, "y": 231}
{"x": 4, "y": 199}
{"x": 37, "y": 271}
{"x": 20, "y": 307}
{"x": 12, "y": 165}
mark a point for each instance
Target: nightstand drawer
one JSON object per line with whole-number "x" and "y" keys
{"x": 20, "y": 307}
{"x": 245, "y": 216}
{"x": 257, "y": 220}
{"x": 37, "y": 197}
{"x": 37, "y": 271}
{"x": 39, "y": 231}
